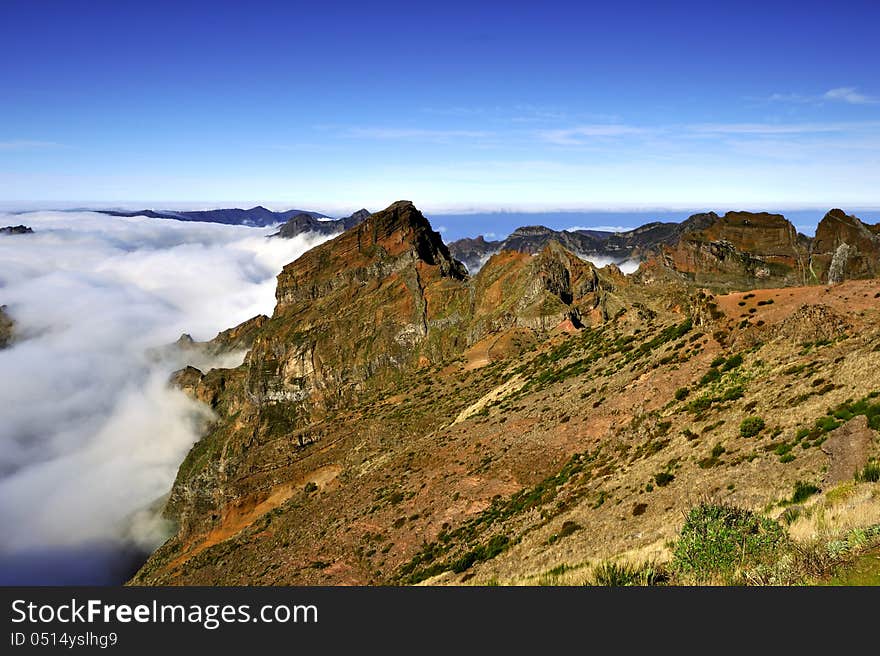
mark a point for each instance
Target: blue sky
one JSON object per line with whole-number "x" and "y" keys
{"x": 456, "y": 106}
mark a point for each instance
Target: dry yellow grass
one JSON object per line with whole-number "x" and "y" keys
{"x": 844, "y": 508}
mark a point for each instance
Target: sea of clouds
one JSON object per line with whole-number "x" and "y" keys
{"x": 91, "y": 435}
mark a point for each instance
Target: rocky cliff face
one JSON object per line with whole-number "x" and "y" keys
{"x": 537, "y": 291}
{"x": 739, "y": 250}
{"x": 844, "y": 249}
{"x": 380, "y": 298}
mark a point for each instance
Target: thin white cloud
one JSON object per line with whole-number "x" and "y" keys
{"x": 583, "y": 134}
{"x": 24, "y": 144}
{"x": 850, "y": 95}
{"x": 414, "y": 133}
{"x": 791, "y": 98}
{"x": 778, "y": 128}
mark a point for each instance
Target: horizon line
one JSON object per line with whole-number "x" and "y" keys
{"x": 21, "y": 206}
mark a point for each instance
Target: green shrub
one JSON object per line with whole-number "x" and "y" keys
{"x": 310, "y": 487}
{"x": 681, "y": 393}
{"x": 717, "y": 538}
{"x": 663, "y": 479}
{"x": 827, "y": 424}
{"x": 751, "y": 426}
{"x": 732, "y": 362}
{"x": 870, "y": 474}
{"x": 488, "y": 551}
{"x": 700, "y": 404}
{"x": 712, "y": 375}
{"x": 732, "y": 393}
{"x": 802, "y": 492}
{"x": 717, "y": 362}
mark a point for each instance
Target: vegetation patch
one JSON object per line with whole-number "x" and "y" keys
{"x": 613, "y": 574}
{"x": 870, "y": 473}
{"x": 717, "y": 539}
{"x": 751, "y": 426}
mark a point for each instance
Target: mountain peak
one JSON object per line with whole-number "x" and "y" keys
{"x": 402, "y": 225}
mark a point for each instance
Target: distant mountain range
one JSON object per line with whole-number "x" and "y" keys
{"x": 601, "y": 244}
{"x": 757, "y": 248}
{"x": 257, "y": 216}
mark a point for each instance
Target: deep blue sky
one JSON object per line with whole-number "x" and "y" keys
{"x": 538, "y": 105}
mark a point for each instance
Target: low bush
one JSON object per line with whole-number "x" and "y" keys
{"x": 802, "y": 492}
{"x": 751, "y": 426}
{"x": 718, "y": 538}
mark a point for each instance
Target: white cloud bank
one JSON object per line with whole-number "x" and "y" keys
{"x": 90, "y": 434}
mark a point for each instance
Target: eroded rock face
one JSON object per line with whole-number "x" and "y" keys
{"x": 739, "y": 250}
{"x": 849, "y": 447}
{"x": 844, "y": 249}
{"x": 357, "y": 307}
{"x": 538, "y": 292}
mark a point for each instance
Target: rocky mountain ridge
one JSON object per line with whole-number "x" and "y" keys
{"x": 744, "y": 249}
{"x": 396, "y": 420}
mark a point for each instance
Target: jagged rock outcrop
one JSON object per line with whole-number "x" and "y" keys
{"x": 16, "y": 230}
{"x": 352, "y": 314}
{"x": 844, "y": 248}
{"x": 474, "y": 253}
{"x": 304, "y": 222}
{"x": 739, "y": 250}
{"x": 849, "y": 447}
{"x": 357, "y": 307}
{"x": 225, "y": 347}
{"x": 539, "y": 292}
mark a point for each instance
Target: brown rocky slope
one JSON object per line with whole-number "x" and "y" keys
{"x": 396, "y": 421}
